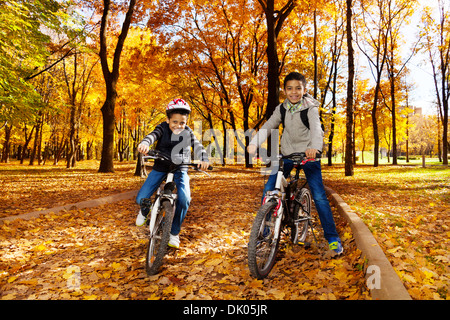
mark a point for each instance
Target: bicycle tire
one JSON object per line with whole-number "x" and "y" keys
{"x": 260, "y": 261}
{"x": 302, "y": 210}
{"x": 158, "y": 241}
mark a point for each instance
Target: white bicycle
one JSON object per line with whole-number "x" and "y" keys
{"x": 161, "y": 212}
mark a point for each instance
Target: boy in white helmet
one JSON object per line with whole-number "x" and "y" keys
{"x": 175, "y": 139}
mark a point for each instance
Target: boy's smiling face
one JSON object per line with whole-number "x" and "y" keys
{"x": 177, "y": 122}
{"x": 294, "y": 90}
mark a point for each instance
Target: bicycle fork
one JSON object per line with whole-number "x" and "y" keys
{"x": 278, "y": 220}
{"x": 277, "y": 195}
{"x": 278, "y": 214}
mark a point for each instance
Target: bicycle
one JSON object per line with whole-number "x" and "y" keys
{"x": 287, "y": 207}
{"x": 161, "y": 213}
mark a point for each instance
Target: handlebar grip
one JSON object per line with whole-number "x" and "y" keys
{"x": 196, "y": 166}
{"x": 300, "y": 155}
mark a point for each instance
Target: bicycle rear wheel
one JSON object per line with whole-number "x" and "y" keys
{"x": 302, "y": 215}
{"x": 262, "y": 248}
{"x": 157, "y": 244}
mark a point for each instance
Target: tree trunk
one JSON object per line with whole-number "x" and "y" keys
{"x": 445, "y": 97}
{"x": 71, "y": 143}
{"x": 394, "y": 123}
{"x": 333, "y": 119}
{"x": 72, "y": 93}
{"x": 316, "y": 80}
{"x": 273, "y": 94}
{"x": 351, "y": 75}
{"x": 274, "y": 20}
{"x": 36, "y": 142}
{"x": 111, "y": 77}
{"x": 445, "y": 135}
{"x": 27, "y": 141}
{"x": 138, "y": 172}
{"x": 7, "y": 144}
{"x": 106, "y": 162}
{"x": 376, "y": 136}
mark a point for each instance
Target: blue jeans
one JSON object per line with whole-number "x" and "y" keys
{"x": 181, "y": 180}
{"x": 313, "y": 173}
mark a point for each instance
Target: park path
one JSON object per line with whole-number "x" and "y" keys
{"x": 97, "y": 253}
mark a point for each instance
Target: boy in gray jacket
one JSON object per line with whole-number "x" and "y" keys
{"x": 302, "y": 133}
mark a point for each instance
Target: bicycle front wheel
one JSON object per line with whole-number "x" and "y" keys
{"x": 157, "y": 244}
{"x": 262, "y": 247}
{"x": 302, "y": 216}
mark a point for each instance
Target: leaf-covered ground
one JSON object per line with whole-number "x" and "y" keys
{"x": 25, "y": 189}
{"x": 408, "y": 211}
{"x": 42, "y": 258}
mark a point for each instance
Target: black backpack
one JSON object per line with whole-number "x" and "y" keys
{"x": 303, "y": 116}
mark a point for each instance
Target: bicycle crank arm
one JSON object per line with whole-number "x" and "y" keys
{"x": 301, "y": 220}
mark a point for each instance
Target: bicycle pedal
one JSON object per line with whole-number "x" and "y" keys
{"x": 306, "y": 244}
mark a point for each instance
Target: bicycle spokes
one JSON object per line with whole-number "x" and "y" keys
{"x": 264, "y": 240}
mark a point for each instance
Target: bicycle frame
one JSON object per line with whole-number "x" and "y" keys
{"x": 165, "y": 190}
{"x": 279, "y": 193}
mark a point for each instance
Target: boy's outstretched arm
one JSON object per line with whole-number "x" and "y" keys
{"x": 265, "y": 131}
{"x": 148, "y": 140}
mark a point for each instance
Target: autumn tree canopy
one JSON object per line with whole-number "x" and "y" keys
{"x": 75, "y": 85}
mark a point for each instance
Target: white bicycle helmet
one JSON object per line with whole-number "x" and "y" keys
{"x": 178, "y": 104}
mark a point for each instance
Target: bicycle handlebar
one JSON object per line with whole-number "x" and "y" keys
{"x": 154, "y": 154}
{"x": 301, "y": 156}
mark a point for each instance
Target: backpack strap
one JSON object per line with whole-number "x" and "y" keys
{"x": 283, "y": 114}
{"x": 305, "y": 119}
{"x": 303, "y": 116}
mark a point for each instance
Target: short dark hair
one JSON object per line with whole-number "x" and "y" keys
{"x": 171, "y": 112}
{"x": 295, "y": 76}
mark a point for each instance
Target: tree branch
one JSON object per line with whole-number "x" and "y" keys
{"x": 122, "y": 37}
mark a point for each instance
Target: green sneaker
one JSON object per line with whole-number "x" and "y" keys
{"x": 336, "y": 245}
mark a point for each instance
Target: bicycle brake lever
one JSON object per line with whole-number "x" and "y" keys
{"x": 204, "y": 172}
{"x": 207, "y": 174}
{"x": 196, "y": 168}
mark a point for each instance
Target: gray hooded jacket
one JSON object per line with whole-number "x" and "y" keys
{"x": 296, "y": 136}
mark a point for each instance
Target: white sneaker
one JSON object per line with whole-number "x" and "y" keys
{"x": 140, "y": 219}
{"x": 174, "y": 241}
